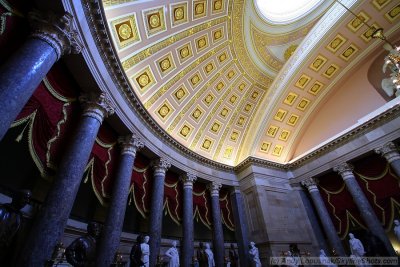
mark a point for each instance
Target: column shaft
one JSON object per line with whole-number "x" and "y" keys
{"x": 218, "y": 234}
{"x": 392, "y": 155}
{"x": 156, "y": 213}
{"x": 327, "y": 224}
{"x": 115, "y": 218}
{"x": 188, "y": 236}
{"x": 20, "y": 76}
{"x": 22, "y": 73}
{"x": 367, "y": 212}
{"x": 52, "y": 218}
{"x": 241, "y": 226}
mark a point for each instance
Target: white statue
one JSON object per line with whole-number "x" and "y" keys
{"x": 144, "y": 247}
{"x": 325, "y": 259}
{"x": 356, "y": 247}
{"x": 396, "y": 229}
{"x": 255, "y": 257}
{"x": 290, "y": 260}
{"x": 210, "y": 256}
{"x": 173, "y": 255}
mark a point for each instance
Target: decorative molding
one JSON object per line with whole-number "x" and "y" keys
{"x": 55, "y": 31}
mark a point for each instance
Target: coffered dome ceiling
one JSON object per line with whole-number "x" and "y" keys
{"x": 227, "y": 82}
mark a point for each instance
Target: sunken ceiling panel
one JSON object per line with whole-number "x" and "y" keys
{"x": 179, "y": 61}
{"x": 337, "y": 54}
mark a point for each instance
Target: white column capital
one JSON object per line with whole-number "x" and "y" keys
{"x": 345, "y": 170}
{"x": 389, "y": 151}
{"x": 97, "y": 106}
{"x": 214, "y": 188}
{"x": 161, "y": 166}
{"x": 130, "y": 144}
{"x": 188, "y": 179}
{"x": 310, "y": 184}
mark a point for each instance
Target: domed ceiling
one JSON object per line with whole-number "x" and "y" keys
{"x": 228, "y": 82}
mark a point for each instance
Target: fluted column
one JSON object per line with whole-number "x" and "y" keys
{"x": 115, "y": 218}
{"x": 20, "y": 75}
{"x": 327, "y": 224}
{"x": 367, "y": 213}
{"x": 241, "y": 230}
{"x": 188, "y": 239}
{"x": 157, "y": 198}
{"x": 218, "y": 234}
{"x": 52, "y": 218}
{"x": 392, "y": 155}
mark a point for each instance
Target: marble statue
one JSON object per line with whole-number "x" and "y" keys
{"x": 201, "y": 256}
{"x": 82, "y": 251}
{"x": 290, "y": 260}
{"x": 396, "y": 229}
{"x": 324, "y": 259}
{"x": 173, "y": 255}
{"x": 210, "y": 256}
{"x": 11, "y": 220}
{"x": 233, "y": 256}
{"x": 255, "y": 257}
{"x": 356, "y": 247}
{"x": 136, "y": 253}
{"x": 145, "y": 249}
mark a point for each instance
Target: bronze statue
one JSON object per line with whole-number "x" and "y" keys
{"x": 202, "y": 256}
{"x": 82, "y": 251}
{"x": 136, "y": 253}
{"x": 10, "y": 221}
{"x": 233, "y": 256}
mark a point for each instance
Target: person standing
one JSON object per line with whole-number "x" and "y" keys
{"x": 145, "y": 249}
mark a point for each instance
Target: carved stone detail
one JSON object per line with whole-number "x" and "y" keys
{"x": 310, "y": 184}
{"x": 345, "y": 170}
{"x": 188, "y": 179}
{"x": 214, "y": 188}
{"x": 161, "y": 166}
{"x": 130, "y": 144}
{"x": 389, "y": 151}
{"x": 56, "y": 31}
{"x": 96, "y": 106}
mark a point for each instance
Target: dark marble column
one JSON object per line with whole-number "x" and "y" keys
{"x": 327, "y": 224}
{"x": 115, "y": 218}
{"x": 188, "y": 239}
{"x": 156, "y": 213}
{"x": 367, "y": 213}
{"x": 241, "y": 226}
{"x": 50, "y": 221}
{"x": 392, "y": 155}
{"x": 218, "y": 234}
{"x": 308, "y": 206}
{"x": 51, "y": 38}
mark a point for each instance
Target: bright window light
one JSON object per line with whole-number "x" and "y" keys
{"x": 285, "y": 11}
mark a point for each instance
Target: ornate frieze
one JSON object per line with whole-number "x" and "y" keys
{"x": 96, "y": 106}
{"x": 56, "y": 31}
